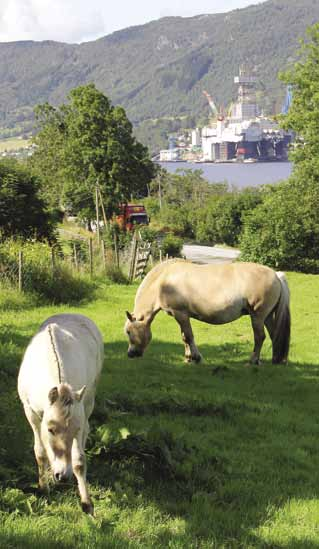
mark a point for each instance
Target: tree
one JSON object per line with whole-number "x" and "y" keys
{"x": 22, "y": 211}
{"x": 89, "y": 141}
{"x": 303, "y": 115}
{"x": 283, "y": 231}
{"x": 220, "y": 220}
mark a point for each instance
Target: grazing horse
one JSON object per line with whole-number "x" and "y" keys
{"x": 216, "y": 294}
{"x": 56, "y": 384}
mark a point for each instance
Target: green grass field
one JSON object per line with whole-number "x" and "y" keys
{"x": 216, "y": 455}
{"x": 13, "y": 144}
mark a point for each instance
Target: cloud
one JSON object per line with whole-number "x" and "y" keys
{"x": 61, "y": 20}
{"x": 84, "y": 20}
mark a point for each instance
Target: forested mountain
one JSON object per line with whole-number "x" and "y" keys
{"x": 158, "y": 71}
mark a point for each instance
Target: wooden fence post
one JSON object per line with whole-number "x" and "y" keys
{"x": 91, "y": 256}
{"x": 75, "y": 255}
{"x": 20, "y": 271}
{"x": 53, "y": 259}
{"x": 116, "y": 251}
{"x": 103, "y": 210}
{"x": 97, "y": 214}
{"x": 103, "y": 254}
{"x": 133, "y": 258}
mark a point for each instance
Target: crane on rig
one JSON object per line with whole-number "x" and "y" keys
{"x": 218, "y": 112}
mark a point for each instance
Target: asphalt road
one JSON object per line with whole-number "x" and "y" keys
{"x": 209, "y": 254}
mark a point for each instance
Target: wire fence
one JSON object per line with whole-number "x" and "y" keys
{"x": 24, "y": 266}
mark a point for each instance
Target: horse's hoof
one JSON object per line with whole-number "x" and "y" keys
{"x": 283, "y": 361}
{"x": 87, "y": 507}
{"x": 190, "y": 359}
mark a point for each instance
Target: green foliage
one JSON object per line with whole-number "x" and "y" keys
{"x": 303, "y": 114}
{"x": 178, "y": 220}
{"x": 22, "y": 211}
{"x": 180, "y": 198}
{"x": 194, "y": 208}
{"x": 283, "y": 231}
{"x": 221, "y": 220}
{"x": 55, "y": 285}
{"x": 88, "y": 141}
{"x": 172, "y": 245}
{"x": 115, "y": 274}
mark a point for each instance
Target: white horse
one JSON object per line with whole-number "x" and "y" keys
{"x": 56, "y": 384}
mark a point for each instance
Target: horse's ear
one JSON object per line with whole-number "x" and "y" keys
{"x": 53, "y": 395}
{"x": 79, "y": 394}
{"x": 129, "y": 316}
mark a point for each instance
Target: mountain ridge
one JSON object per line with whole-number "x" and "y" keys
{"x": 158, "y": 70}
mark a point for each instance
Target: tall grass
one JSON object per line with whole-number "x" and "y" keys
{"x": 54, "y": 281}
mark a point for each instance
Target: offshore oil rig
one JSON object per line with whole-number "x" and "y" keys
{"x": 242, "y": 134}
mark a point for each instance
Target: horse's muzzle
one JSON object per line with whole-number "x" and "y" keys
{"x": 61, "y": 477}
{"x": 133, "y": 353}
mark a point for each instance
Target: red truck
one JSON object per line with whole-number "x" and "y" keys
{"x": 131, "y": 215}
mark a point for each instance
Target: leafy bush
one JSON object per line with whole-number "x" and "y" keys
{"x": 22, "y": 211}
{"x": 178, "y": 219}
{"x": 283, "y": 231}
{"x": 221, "y": 220}
{"x": 172, "y": 246}
{"x": 115, "y": 274}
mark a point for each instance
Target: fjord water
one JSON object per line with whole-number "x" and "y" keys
{"x": 240, "y": 175}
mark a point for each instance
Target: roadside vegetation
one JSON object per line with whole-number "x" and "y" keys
{"x": 210, "y": 455}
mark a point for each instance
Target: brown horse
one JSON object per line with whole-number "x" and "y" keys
{"x": 216, "y": 294}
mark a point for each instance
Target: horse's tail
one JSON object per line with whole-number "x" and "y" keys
{"x": 282, "y": 322}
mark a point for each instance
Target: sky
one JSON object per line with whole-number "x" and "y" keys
{"x": 76, "y": 21}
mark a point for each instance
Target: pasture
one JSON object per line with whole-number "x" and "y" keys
{"x": 13, "y": 144}
{"x": 210, "y": 455}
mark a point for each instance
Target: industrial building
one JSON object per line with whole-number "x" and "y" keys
{"x": 242, "y": 135}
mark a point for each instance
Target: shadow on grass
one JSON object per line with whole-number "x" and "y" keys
{"x": 242, "y": 441}
{"x": 260, "y": 429}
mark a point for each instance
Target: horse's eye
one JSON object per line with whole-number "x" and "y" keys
{"x": 51, "y": 431}
{"x": 128, "y": 332}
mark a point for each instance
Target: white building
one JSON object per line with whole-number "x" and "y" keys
{"x": 170, "y": 155}
{"x": 196, "y": 138}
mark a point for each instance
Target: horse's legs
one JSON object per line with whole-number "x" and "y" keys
{"x": 259, "y": 337}
{"x": 79, "y": 470}
{"x": 270, "y": 325}
{"x": 191, "y": 351}
{"x": 39, "y": 450}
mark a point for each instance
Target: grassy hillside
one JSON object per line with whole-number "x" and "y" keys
{"x": 212, "y": 455}
{"x": 160, "y": 69}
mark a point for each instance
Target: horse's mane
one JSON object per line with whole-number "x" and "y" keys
{"x": 50, "y": 329}
{"x": 151, "y": 275}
